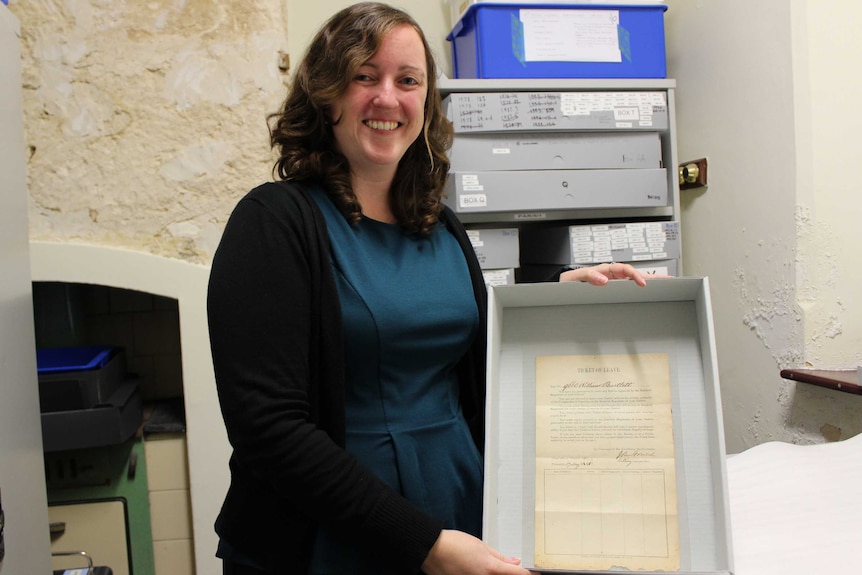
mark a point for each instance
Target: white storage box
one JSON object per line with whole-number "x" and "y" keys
{"x": 555, "y": 151}
{"x": 531, "y": 273}
{"x": 599, "y": 243}
{"x": 535, "y": 190}
{"x": 502, "y": 277}
{"x": 557, "y": 111}
{"x": 669, "y": 320}
{"x": 658, "y": 267}
{"x": 496, "y": 248}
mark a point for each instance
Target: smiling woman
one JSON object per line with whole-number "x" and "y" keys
{"x": 372, "y": 70}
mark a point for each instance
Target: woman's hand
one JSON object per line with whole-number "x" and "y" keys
{"x": 600, "y": 275}
{"x": 458, "y": 553}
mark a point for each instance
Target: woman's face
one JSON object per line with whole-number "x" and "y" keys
{"x": 382, "y": 112}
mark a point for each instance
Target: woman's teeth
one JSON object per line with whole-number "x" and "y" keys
{"x": 381, "y": 125}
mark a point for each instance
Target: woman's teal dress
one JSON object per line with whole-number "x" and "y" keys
{"x": 409, "y": 315}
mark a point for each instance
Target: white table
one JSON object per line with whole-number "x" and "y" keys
{"x": 797, "y": 509}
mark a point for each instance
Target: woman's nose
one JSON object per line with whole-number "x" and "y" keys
{"x": 385, "y": 96}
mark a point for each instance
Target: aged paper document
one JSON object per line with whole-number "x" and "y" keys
{"x": 605, "y": 479}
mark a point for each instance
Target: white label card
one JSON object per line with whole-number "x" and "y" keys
{"x": 473, "y": 200}
{"x": 571, "y": 35}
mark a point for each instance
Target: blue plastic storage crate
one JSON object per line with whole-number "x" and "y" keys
{"x": 75, "y": 378}
{"x": 489, "y": 42}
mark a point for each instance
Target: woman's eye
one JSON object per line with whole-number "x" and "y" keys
{"x": 410, "y": 81}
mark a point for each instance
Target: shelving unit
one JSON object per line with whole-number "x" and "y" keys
{"x": 595, "y": 213}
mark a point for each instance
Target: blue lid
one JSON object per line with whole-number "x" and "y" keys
{"x": 53, "y": 359}
{"x": 467, "y": 14}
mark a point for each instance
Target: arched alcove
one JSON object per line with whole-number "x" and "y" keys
{"x": 208, "y": 448}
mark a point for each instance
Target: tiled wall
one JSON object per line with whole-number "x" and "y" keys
{"x": 170, "y": 510}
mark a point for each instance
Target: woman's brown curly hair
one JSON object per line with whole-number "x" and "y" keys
{"x": 302, "y": 133}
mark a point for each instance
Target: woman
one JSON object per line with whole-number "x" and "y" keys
{"x": 347, "y": 323}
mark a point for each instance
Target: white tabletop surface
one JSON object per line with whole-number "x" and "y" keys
{"x": 797, "y": 509}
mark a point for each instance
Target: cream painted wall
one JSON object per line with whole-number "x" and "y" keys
{"x": 762, "y": 92}
{"x": 304, "y": 18}
{"x": 831, "y": 276}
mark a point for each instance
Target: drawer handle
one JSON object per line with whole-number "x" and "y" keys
{"x": 75, "y": 553}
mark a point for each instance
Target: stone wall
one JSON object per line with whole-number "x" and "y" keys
{"x": 146, "y": 120}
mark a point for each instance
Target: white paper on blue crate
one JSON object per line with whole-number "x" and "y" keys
{"x": 796, "y": 509}
{"x": 571, "y": 35}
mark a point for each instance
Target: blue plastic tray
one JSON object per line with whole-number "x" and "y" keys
{"x": 57, "y": 359}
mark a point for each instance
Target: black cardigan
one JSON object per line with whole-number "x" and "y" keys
{"x": 276, "y": 339}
